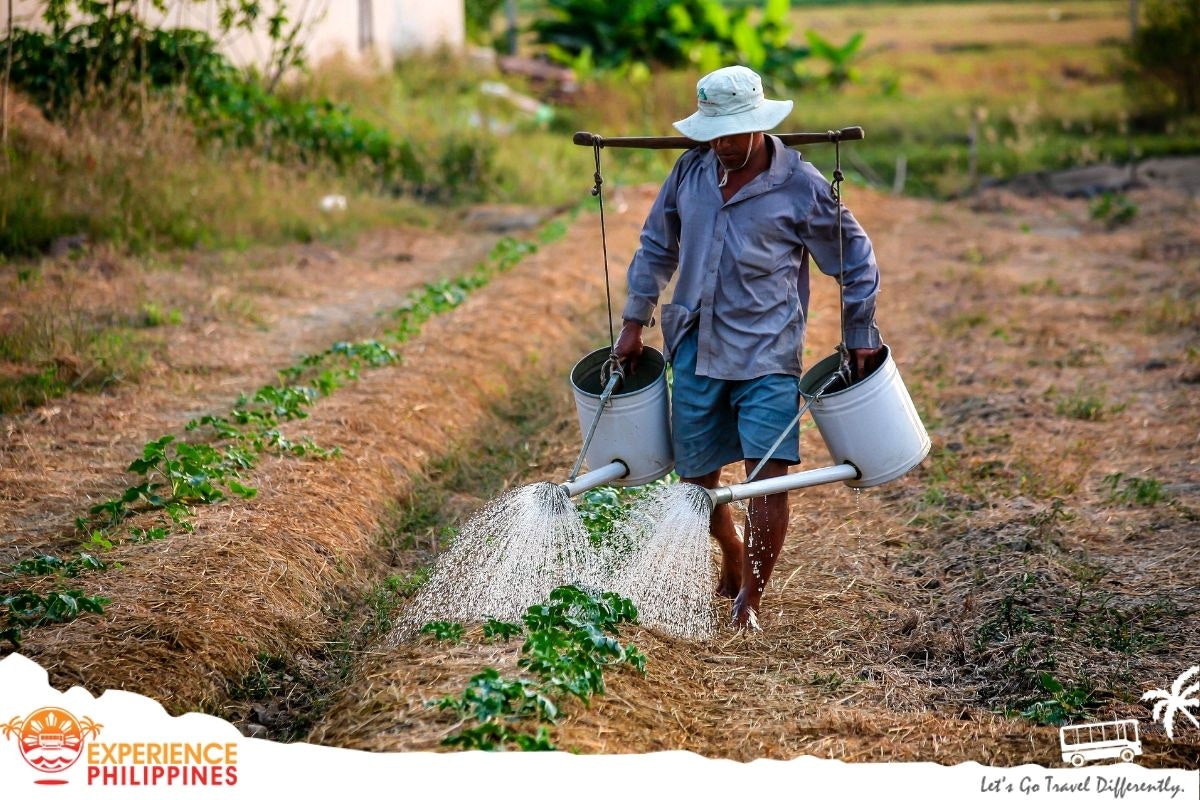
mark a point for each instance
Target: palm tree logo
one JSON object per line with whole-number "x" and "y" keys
{"x": 1176, "y": 701}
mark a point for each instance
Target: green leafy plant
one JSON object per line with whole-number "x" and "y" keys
{"x": 1062, "y": 704}
{"x": 673, "y": 33}
{"x": 839, "y": 59}
{"x": 499, "y": 629}
{"x": 570, "y": 641}
{"x": 1113, "y": 209}
{"x": 25, "y": 608}
{"x": 601, "y": 508}
{"x": 44, "y": 564}
{"x": 444, "y": 631}
{"x": 493, "y": 735}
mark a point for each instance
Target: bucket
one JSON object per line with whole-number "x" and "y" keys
{"x": 635, "y": 428}
{"x": 872, "y": 424}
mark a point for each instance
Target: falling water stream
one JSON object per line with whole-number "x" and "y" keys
{"x": 523, "y": 544}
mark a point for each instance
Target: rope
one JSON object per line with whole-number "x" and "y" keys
{"x": 598, "y": 192}
{"x": 836, "y": 186}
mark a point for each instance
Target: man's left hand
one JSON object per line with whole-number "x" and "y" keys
{"x": 863, "y": 361}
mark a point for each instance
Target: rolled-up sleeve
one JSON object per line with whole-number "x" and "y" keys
{"x": 657, "y": 256}
{"x": 861, "y": 282}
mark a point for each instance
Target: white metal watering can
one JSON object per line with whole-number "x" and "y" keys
{"x": 871, "y": 428}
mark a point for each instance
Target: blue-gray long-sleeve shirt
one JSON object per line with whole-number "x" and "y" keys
{"x": 743, "y": 264}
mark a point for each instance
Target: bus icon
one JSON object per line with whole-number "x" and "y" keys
{"x": 1096, "y": 740}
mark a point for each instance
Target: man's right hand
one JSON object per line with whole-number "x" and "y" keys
{"x": 629, "y": 344}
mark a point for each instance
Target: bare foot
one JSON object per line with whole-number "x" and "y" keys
{"x": 745, "y": 618}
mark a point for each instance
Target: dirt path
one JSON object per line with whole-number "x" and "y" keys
{"x": 902, "y": 619}
{"x": 1046, "y": 354}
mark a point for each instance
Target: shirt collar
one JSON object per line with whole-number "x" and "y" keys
{"x": 777, "y": 173}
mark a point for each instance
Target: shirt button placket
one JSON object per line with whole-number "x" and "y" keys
{"x": 715, "y": 252}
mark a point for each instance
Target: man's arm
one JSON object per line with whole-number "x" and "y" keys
{"x": 861, "y": 284}
{"x": 652, "y": 267}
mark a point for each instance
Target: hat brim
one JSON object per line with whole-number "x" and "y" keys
{"x": 704, "y": 128}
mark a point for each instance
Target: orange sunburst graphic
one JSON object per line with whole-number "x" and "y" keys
{"x": 50, "y": 739}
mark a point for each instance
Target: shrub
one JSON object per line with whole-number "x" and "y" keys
{"x": 704, "y": 33}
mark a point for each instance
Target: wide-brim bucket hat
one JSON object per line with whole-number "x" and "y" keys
{"x": 730, "y": 101}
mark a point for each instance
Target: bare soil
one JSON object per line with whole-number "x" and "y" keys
{"x": 1045, "y": 350}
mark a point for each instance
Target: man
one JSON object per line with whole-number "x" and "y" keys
{"x": 738, "y": 221}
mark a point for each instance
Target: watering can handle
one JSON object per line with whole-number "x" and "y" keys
{"x": 612, "y": 366}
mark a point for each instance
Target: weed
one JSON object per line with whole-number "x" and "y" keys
{"x": 382, "y": 603}
{"x": 1082, "y": 404}
{"x": 1178, "y": 308}
{"x": 1132, "y": 490}
{"x": 960, "y": 324}
{"x": 1012, "y": 617}
{"x": 826, "y": 683}
{"x": 1062, "y": 704}
{"x": 154, "y": 316}
{"x": 1113, "y": 209}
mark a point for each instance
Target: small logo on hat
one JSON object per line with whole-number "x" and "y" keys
{"x": 701, "y": 95}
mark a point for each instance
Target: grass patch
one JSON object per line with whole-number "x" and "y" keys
{"x": 1131, "y": 490}
{"x": 148, "y": 184}
{"x": 47, "y": 353}
{"x": 1086, "y": 404}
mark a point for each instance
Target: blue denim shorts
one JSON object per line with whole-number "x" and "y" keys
{"x": 716, "y": 422}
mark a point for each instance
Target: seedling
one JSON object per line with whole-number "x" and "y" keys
{"x": 570, "y": 641}
{"x": 445, "y": 631}
{"x": 497, "y": 628}
{"x": 1064, "y": 704}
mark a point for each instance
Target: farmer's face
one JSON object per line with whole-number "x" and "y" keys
{"x": 732, "y": 150}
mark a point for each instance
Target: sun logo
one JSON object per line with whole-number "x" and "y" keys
{"x": 51, "y": 739}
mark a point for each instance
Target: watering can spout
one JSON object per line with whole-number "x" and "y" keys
{"x": 784, "y": 483}
{"x": 597, "y": 477}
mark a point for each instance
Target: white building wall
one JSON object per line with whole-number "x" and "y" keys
{"x": 423, "y": 25}
{"x": 375, "y": 30}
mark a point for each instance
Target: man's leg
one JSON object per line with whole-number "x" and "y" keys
{"x": 721, "y": 527}
{"x": 766, "y": 527}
